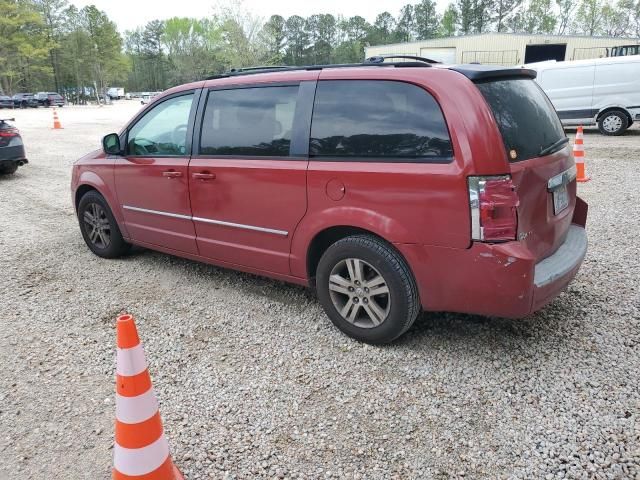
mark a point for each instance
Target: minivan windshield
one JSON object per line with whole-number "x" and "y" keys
{"x": 529, "y": 124}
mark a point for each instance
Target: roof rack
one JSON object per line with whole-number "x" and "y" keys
{"x": 378, "y": 61}
{"x": 382, "y": 58}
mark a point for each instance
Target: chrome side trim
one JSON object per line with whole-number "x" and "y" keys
{"x": 282, "y": 233}
{"x": 156, "y": 212}
{"x": 240, "y": 225}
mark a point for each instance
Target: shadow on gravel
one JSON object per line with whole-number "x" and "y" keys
{"x": 553, "y": 324}
{"x": 11, "y": 178}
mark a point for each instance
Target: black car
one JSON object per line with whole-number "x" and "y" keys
{"x": 48, "y": 99}
{"x": 12, "y": 154}
{"x": 24, "y": 100}
{"x": 6, "y": 102}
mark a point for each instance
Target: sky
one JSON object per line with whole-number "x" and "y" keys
{"x": 129, "y": 14}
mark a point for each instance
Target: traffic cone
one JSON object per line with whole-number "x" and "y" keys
{"x": 56, "y": 121}
{"x": 578, "y": 155}
{"x": 141, "y": 451}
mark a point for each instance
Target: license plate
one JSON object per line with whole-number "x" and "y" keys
{"x": 560, "y": 199}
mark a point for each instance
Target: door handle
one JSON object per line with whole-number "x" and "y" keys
{"x": 204, "y": 176}
{"x": 172, "y": 174}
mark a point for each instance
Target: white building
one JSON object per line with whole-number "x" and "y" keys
{"x": 505, "y": 48}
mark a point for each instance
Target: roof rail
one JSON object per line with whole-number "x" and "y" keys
{"x": 370, "y": 62}
{"x": 381, "y": 58}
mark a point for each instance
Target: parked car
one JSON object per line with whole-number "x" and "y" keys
{"x": 116, "y": 93}
{"x": 24, "y": 100}
{"x": 387, "y": 187}
{"x": 6, "y": 102}
{"x": 603, "y": 91}
{"x": 146, "y": 98}
{"x": 12, "y": 154}
{"x": 48, "y": 99}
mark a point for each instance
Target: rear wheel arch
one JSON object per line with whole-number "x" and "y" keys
{"x": 330, "y": 235}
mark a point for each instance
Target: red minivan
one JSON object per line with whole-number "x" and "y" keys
{"x": 389, "y": 187}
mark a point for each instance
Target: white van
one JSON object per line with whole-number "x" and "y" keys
{"x": 602, "y": 91}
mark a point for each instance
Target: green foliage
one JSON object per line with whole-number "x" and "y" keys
{"x": 49, "y": 44}
{"x": 503, "y": 11}
{"x": 449, "y": 22}
{"x": 427, "y": 19}
{"x": 535, "y": 17}
{"x": 466, "y": 16}
{"x": 589, "y": 17}
{"x": 24, "y": 47}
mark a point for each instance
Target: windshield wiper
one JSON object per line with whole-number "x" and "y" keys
{"x": 553, "y": 147}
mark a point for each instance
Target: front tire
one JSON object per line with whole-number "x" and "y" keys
{"x": 99, "y": 227}
{"x": 367, "y": 289}
{"x": 613, "y": 123}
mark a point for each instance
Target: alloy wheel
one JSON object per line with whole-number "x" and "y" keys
{"x": 359, "y": 293}
{"x": 97, "y": 225}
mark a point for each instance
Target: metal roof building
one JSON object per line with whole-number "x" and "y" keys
{"x": 505, "y": 48}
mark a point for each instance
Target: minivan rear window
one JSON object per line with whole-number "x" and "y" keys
{"x": 378, "y": 120}
{"x": 529, "y": 124}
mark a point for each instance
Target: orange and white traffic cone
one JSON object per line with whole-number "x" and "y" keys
{"x": 56, "y": 121}
{"x": 578, "y": 155}
{"x": 141, "y": 451}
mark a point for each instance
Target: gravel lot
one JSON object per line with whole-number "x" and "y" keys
{"x": 254, "y": 381}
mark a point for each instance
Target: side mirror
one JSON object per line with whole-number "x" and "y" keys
{"x": 111, "y": 144}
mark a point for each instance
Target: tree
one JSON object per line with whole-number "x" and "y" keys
{"x": 565, "y": 15}
{"x": 481, "y": 10}
{"x": 621, "y": 19}
{"x": 273, "y": 35}
{"x": 196, "y": 47}
{"x": 52, "y": 15}
{"x": 24, "y": 48}
{"x": 589, "y": 17}
{"x": 322, "y": 29}
{"x": 406, "y": 25}
{"x": 427, "y": 19}
{"x": 108, "y": 65}
{"x": 383, "y": 28}
{"x": 297, "y": 40}
{"x": 502, "y": 10}
{"x": 535, "y": 17}
{"x": 448, "y": 25}
{"x": 466, "y": 16}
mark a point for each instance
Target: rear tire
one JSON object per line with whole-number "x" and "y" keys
{"x": 99, "y": 227}
{"x": 9, "y": 168}
{"x": 367, "y": 289}
{"x": 613, "y": 123}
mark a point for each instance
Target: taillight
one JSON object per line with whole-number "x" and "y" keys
{"x": 493, "y": 203}
{"x": 10, "y": 132}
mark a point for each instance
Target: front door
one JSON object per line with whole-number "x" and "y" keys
{"x": 248, "y": 182}
{"x": 152, "y": 180}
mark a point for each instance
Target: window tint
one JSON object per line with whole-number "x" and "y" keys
{"x": 163, "y": 130}
{"x": 526, "y": 118}
{"x": 249, "y": 121}
{"x": 373, "y": 118}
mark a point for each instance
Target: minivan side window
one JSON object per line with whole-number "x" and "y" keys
{"x": 163, "y": 130}
{"x": 378, "y": 119}
{"x": 249, "y": 121}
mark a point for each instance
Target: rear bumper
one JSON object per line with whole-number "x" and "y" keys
{"x": 552, "y": 274}
{"x": 502, "y": 280}
{"x": 12, "y": 154}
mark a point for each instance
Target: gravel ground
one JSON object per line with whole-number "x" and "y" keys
{"x": 254, "y": 381}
